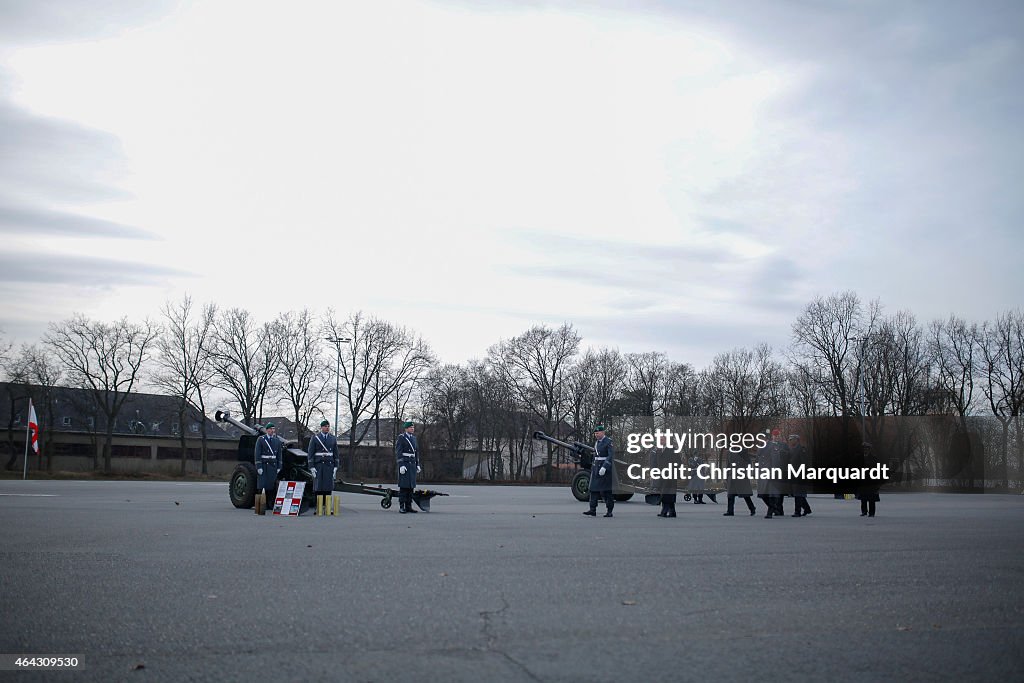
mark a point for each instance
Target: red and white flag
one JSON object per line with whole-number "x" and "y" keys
{"x": 33, "y": 427}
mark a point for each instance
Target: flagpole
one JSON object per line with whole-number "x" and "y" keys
{"x": 28, "y": 437}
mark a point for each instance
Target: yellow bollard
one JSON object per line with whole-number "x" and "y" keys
{"x": 319, "y": 506}
{"x": 336, "y": 500}
{"x": 258, "y": 503}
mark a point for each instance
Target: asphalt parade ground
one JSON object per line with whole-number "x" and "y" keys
{"x": 147, "y": 581}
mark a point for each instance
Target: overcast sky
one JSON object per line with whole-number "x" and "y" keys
{"x": 664, "y": 175}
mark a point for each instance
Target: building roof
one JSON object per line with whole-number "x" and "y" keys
{"x": 381, "y": 429}
{"x": 75, "y": 412}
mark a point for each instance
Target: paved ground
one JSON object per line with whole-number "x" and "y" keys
{"x": 507, "y": 584}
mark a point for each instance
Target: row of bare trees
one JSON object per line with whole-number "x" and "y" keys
{"x": 848, "y": 358}
{"x": 201, "y": 355}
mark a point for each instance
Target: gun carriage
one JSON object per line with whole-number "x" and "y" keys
{"x": 582, "y": 455}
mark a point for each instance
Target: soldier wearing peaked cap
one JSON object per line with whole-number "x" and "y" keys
{"x": 269, "y": 448}
{"x": 602, "y": 473}
{"x": 798, "y": 487}
{"x": 774, "y": 455}
{"x": 323, "y": 459}
{"x": 407, "y": 460}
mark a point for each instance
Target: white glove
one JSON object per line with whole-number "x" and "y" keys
{"x": 259, "y": 470}
{"x": 419, "y": 470}
{"x": 601, "y": 472}
{"x": 335, "y": 473}
{"x": 315, "y": 475}
{"x": 402, "y": 470}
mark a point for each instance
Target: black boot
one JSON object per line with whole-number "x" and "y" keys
{"x": 609, "y": 504}
{"x": 592, "y": 512}
{"x": 401, "y": 506}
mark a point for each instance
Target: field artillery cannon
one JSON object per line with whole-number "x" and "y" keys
{"x": 582, "y": 455}
{"x": 295, "y": 467}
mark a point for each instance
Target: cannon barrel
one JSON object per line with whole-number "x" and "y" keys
{"x": 574, "y": 447}
{"x": 225, "y": 416}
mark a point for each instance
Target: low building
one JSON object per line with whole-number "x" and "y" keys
{"x": 148, "y": 432}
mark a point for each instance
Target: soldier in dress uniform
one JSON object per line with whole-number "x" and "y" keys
{"x": 798, "y": 487}
{"x": 269, "y": 448}
{"x": 773, "y": 455}
{"x": 602, "y": 473}
{"x": 668, "y": 486}
{"x": 407, "y": 457}
{"x": 741, "y": 487}
{"x": 323, "y": 459}
{"x": 867, "y": 492}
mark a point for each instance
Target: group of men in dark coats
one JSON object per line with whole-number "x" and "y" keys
{"x": 777, "y": 456}
{"x": 322, "y": 456}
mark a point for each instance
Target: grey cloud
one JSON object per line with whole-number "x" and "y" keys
{"x": 685, "y": 338}
{"x": 38, "y": 21}
{"x": 44, "y": 159}
{"x": 80, "y": 271}
{"x": 24, "y": 220}
{"x": 648, "y": 273}
{"x": 46, "y": 162}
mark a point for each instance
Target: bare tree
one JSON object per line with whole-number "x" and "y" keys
{"x": 896, "y": 367}
{"x": 579, "y": 390}
{"x": 535, "y": 366}
{"x": 307, "y": 371}
{"x": 104, "y": 359}
{"x": 646, "y": 382}
{"x": 745, "y": 384}
{"x": 400, "y": 382}
{"x": 36, "y": 367}
{"x": 1002, "y": 373}
{"x": 682, "y": 391}
{"x": 380, "y": 360}
{"x": 823, "y": 335}
{"x": 805, "y": 391}
{"x": 445, "y": 404}
{"x": 952, "y": 345}
{"x": 184, "y": 365}
{"x": 244, "y": 356}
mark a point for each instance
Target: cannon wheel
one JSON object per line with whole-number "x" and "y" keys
{"x": 581, "y": 486}
{"x": 242, "y": 487}
{"x": 622, "y": 497}
{"x": 687, "y": 496}
{"x": 385, "y": 502}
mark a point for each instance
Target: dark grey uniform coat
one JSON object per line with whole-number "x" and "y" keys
{"x": 665, "y": 459}
{"x": 407, "y": 453}
{"x": 605, "y": 458}
{"x": 773, "y": 455}
{"x": 797, "y": 457}
{"x": 323, "y": 458}
{"x": 735, "y": 486}
{"x": 267, "y": 455}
